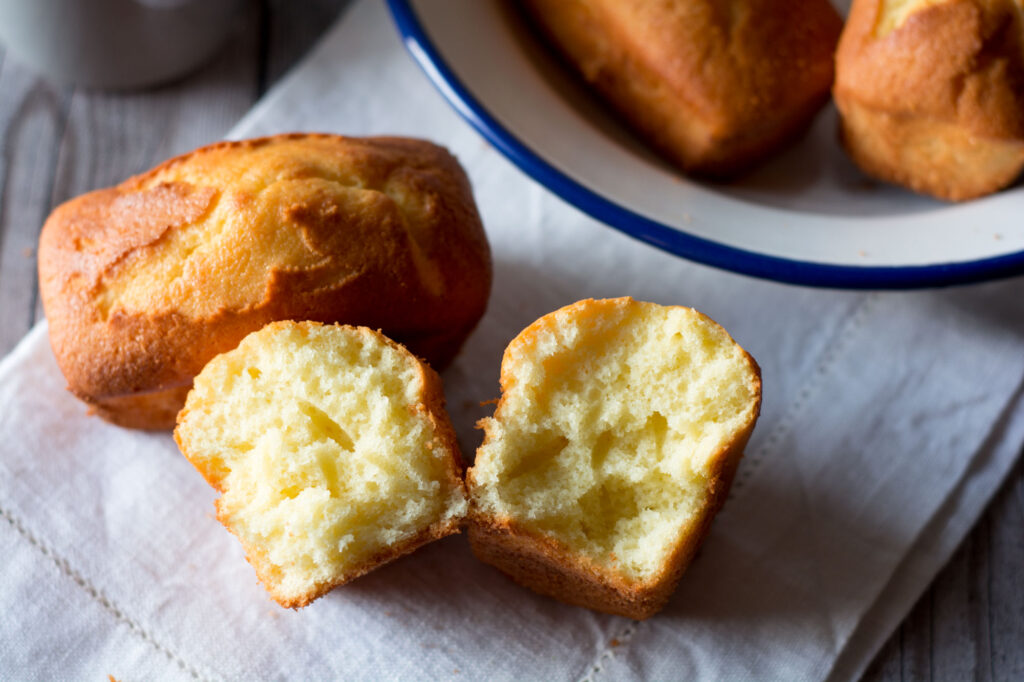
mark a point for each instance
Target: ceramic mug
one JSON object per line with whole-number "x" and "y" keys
{"x": 115, "y": 43}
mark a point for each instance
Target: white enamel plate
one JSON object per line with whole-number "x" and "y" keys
{"x": 807, "y": 217}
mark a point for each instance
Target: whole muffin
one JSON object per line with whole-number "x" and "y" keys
{"x": 931, "y": 93}
{"x": 145, "y": 282}
{"x": 715, "y": 85}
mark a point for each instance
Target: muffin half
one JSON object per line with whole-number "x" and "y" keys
{"x": 332, "y": 450}
{"x": 616, "y": 438}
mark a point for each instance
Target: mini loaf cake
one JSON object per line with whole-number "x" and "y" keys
{"x": 332, "y": 449}
{"x": 143, "y": 283}
{"x": 715, "y": 85}
{"x": 931, "y": 93}
{"x": 618, "y": 431}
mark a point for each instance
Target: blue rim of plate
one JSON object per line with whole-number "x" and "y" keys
{"x": 671, "y": 239}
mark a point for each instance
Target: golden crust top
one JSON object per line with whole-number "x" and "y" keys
{"x": 145, "y": 282}
{"x": 958, "y": 61}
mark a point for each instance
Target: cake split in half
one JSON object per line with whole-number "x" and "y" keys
{"x": 332, "y": 450}
{"x": 616, "y": 438}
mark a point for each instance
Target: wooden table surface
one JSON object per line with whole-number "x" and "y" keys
{"x": 59, "y": 141}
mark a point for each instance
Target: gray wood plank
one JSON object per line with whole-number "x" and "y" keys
{"x": 915, "y": 640}
{"x": 1005, "y": 577}
{"x": 951, "y": 618}
{"x": 887, "y": 665}
{"x": 969, "y": 625}
{"x": 33, "y": 116}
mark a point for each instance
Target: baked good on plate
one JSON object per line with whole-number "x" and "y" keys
{"x": 616, "y": 438}
{"x": 332, "y": 450}
{"x": 931, "y": 93}
{"x": 715, "y": 85}
{"x": 143, "y": 283}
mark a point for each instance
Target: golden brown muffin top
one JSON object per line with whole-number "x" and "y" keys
{"x": 959, "y": 61}
{"x": 219, "y": 228}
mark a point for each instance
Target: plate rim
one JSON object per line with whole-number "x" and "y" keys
{"x": 667, "y": 238}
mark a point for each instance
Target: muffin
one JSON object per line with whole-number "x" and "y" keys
{"x": 616, "y": 438}
{"x": 145, "y": 282}
{"x": 716, "y": 86}
{"x": 332, "y": 452}
{"x": 931, "y": 93}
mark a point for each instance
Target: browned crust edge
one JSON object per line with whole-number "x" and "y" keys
{"x": 265, "y": 572}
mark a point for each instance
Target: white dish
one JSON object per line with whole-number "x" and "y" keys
{"x": 808, "y": 216}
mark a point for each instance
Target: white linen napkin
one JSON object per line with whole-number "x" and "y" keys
{"x": 889, "y": 421}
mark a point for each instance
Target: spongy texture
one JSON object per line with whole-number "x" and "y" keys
{"x": 619, "y": 425}
{"x": 331, "y": 448}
